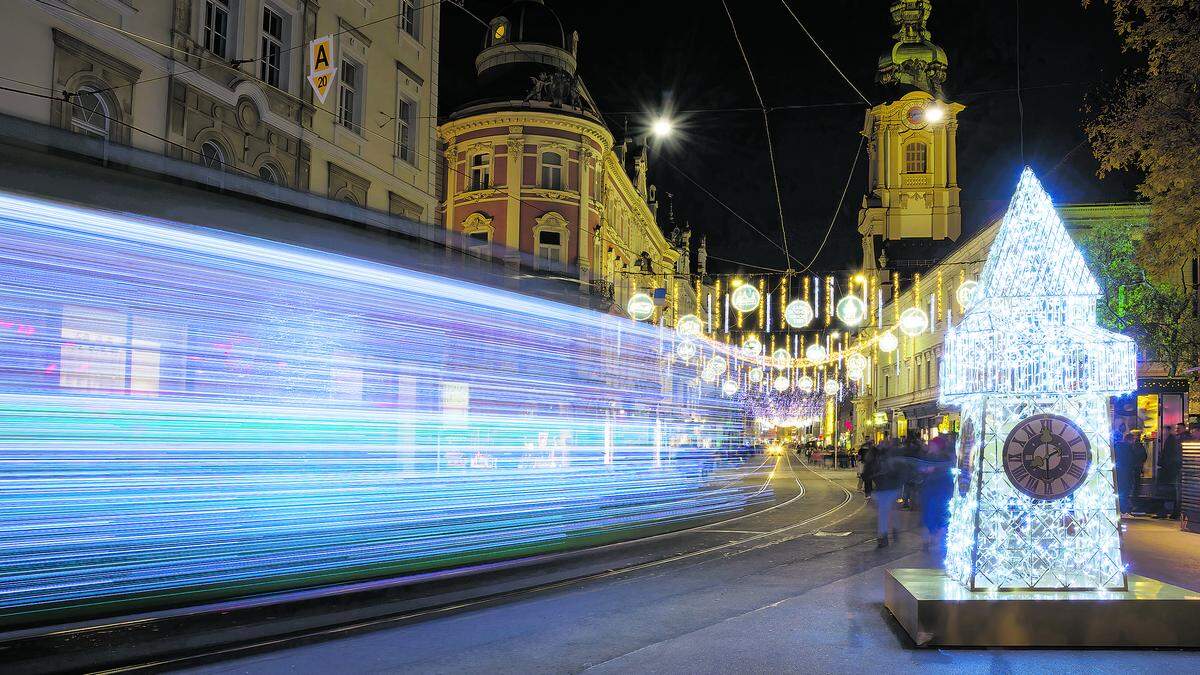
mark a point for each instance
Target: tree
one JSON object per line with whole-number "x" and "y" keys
{"x": 1158, "y": 315}
{"x": 1150, "y": 121}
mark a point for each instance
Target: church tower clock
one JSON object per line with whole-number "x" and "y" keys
{"x": 912, "y": 191}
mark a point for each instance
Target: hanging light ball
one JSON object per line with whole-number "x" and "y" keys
{"x": 752, "y": 347}
{"x": 685, "y": 350}
{"x": 855, "y": 375}
{"x": 856, "y": 361}
{"x": 782, "y": 358}
{"x": 815, "y": 352}
{"x": 745, "y": 298}
{"x": 689, "y": 326}
{"x": 851, "y": 310}
{"x": 966, "y": 293}
{"x": 913, "y": 321}
{"x": 717, "y": 364}
{"x": 640, "y": 306}
{"x": 888, "y": 342}
{"x": 710, "y": 375}
{"x": 806, "y": 384}
{"x": 780, "y": 383}
{"x": 798, "y": 313}
{"x": 729, "y": 388}
{"x": 832, "y": 387}
{"x": 756, "y": 375}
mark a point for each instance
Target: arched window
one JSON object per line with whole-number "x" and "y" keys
{"x": 90, "y": 113}
{"x": 269, "y": 174}
{"x": 551, "y": 171}
{"x": 212, "y": 156}
{"x": 914, "y": 157}
{"x": 481, "y": 171}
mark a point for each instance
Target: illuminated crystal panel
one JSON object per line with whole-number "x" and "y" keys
{"x": 1030, "y": 346}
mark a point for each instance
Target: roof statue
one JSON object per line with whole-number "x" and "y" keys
{"x": 914, "y": 61}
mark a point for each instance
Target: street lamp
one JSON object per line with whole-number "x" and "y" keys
{"x": 662, "y": 127}
{"x": 934, "y": 114}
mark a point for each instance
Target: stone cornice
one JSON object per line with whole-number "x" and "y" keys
{"x": 501, "y": 121}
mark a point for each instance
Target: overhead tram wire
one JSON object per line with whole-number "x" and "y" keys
{"x": 824, "y": 53}
{"x": 837, "y": 211}
{"x": 787, "y": 257}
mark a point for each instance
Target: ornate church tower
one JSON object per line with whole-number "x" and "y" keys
{"x": 913, "y": 185}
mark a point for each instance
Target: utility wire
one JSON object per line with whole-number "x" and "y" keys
{"x": 787, "y": 257}
{"x": 823, "y": 52}
{"x": 838, "y": 210}
{"x": 1020, "y": 103}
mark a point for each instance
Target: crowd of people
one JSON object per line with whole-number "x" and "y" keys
{"x": 909, "y": 474}
{"x": 1130, "y": 454}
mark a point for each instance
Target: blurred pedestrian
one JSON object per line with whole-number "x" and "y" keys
{"x": 1123, "y": 455}
{"x": 865, "y": 455}
{"x": 888, "y": 477}
{"x": 936, "y": 487}
{"x": 1170, "y": 464}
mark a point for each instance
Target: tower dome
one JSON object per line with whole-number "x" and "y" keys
{"x": 914, "y": 62}
{"x": 527, "y": 34}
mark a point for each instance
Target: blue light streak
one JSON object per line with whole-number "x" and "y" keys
{"x": 187, "y": 413}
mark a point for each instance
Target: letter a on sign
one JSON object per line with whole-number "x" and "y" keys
{"x": 320, "y": 66}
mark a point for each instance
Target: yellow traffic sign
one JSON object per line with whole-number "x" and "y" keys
{"x": 321, "y": 70}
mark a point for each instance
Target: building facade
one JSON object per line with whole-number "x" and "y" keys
{"x": 223, "y": 83}
{"x": 533, "y": 172}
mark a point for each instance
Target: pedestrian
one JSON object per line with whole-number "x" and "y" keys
{"x": 936, "y": 485}
{"x": 1170, "y": 463}
{"x": 1123, "y": 454}
{"x": 865, "y": 455}
{"x": 912, "y": 449}
{"x": 1137, "y": 465}
{"x": 889, "y": 476}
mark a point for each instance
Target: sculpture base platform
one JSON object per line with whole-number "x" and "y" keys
{"x": 937, "y": 612}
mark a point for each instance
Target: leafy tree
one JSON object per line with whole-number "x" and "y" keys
{"x": 1150, "y": 121}
{"x": 1159, "y": 315}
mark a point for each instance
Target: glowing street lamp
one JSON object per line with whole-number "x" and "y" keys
{"x": 934, "y": 114}
{"x": 662, "y": 127}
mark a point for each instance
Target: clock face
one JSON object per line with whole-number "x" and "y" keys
{"x": 1047, "y": 456}
{"x": 916, "y": 116}
{"x": 966, "y": 442}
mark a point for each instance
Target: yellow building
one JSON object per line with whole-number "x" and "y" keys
{"x": 534, "y": 175}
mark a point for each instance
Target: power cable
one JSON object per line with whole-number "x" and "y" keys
{"x": 824, "y": 53}
{"x": 838, "y": 210}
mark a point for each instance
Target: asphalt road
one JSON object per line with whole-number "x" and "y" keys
{"x": 797, "y": 588}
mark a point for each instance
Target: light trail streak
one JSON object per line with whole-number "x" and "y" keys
{"x": 187, "y": 414}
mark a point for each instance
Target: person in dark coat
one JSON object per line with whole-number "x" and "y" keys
{"x": 1170, "y": 463}
{"x": 890, "y": 474}
{"x": 1124, "y": 455}
{"x": 937, "y": 486}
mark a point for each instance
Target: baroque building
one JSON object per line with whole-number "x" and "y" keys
{"x": 533, "y": 174}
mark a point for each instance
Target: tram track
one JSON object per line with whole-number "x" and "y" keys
{"x": 405, "y": 617}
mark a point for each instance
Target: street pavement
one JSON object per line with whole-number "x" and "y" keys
{"x": 796, "y": 589}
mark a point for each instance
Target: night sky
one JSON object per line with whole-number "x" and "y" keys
{"x": 638, "y": 58}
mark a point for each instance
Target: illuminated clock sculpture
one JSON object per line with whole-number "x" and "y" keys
{"x": 1033, "y": 374}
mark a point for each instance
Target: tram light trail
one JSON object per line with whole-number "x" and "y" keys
{"x": 189, "y": 414}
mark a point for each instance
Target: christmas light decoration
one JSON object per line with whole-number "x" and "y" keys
{"x": 966, "y": 293}
{"x": 1032, "y": 372}
{"x": 806, "y": 383}
{"x": 798, "y": 313}
{"x": 689, "y": 326}
{"x": 851, "y": 310}
{"x": 752, "y": 347}
{"x": 685, "y": 350}
{"x": 745, "y": 298}
{"x": 832, "y": 387}
{"x": 815, "y": 352}
{"x": 191, "y": 415}
{"x": 782, "y": 358}
{"x": 913, "y": 321}
{"x": 781, "y": 383}
{"x": 855, "y": 375}
{"x": 640, "y": 306}
{"x": 729, "y": 388}
{"x": 888, "y": 342}
{"x": 857, "y": 361}
{"x": 718, "y": 364}
{"x": 755, "y": 375}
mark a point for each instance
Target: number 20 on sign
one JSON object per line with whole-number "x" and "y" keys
{"x": 320, "y": 66}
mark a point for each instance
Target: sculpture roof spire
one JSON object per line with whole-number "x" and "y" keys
{"x": 914, "y": 61}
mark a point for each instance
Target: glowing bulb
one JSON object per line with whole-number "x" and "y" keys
{"x": 806, "y": 384}
{"x": 798, "y": 313}
{"x": 888, "y": 342}
{"x": 640, "y": 306}
{"x": 815, "y": 352}
{"x": 662, "y": 127}
{"x": 782, "y": 358}
{"x": 729, "y": 388}
{"x": 689, "y": 325}
{"x": 780, "y": 383}
{"x": 685, "y": 350}
{"x": 857, "y": 362}
{"x": 934, "y": 114}
{"x": 756, "y": 375}
{"x": 851, "y": 310}
{"x": 832, "y": 387}
{"x": 913, "y": 321}
{"x": 718, "y": 364}
{"x": 745, "y": 298}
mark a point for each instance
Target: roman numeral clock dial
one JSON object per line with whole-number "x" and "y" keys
{"x": 1047, "y": 456}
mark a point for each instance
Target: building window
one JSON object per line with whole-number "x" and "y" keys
{"x": 350, "y": 95}
{"x": 271, "y": 68}
{"x": 408, "y": 18}
{"x": 481, "y": 171}
{"x": 212, "y": 156}
{"x": 90, "y": 114}
{"x": 551, "y": 170}
{"x": 550, "y": 245}
{"x": 216, "y": 27}
{"x": 269, "y": 174}
{"x": 914, "y": 157}
{"x": 406, "y": 124}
